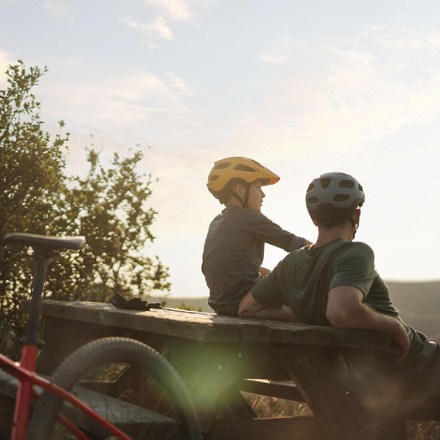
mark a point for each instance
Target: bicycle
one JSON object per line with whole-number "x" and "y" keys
{"x": 157, "y": 405}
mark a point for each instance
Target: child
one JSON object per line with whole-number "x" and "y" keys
{"x": 234, "y": 245}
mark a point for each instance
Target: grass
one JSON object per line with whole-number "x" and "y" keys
{"x": 266, "y": 406}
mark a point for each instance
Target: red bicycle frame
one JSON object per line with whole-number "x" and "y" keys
{"x": 25, "y": 370}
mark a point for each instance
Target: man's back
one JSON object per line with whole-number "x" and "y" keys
{"x": 335, "y": 283}
{"x": 303, "y": 279}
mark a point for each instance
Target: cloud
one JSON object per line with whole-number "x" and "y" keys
{"x": 407, "y": 40}
{"x": 336, "y": 93}
{"x": 168, "y": 11}
{"x": 177, "y": 83}
{"x": 176, "y": 10}
{"x": 281, "y": 50}
{"x": 158, "y": 27}
{"x": 5, "y": 61}
{"x": 121, "y": 106}
{"x": 56, "y": 9}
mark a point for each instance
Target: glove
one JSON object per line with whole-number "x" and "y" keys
{"x": 133, "y": 304}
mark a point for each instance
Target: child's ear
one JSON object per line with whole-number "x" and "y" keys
{"x": 239, "y": 190}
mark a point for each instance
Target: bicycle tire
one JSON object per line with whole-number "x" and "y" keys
{"x": 124, "y": 351}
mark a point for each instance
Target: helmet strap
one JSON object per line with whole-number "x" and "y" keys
{"x": 246, "y": 197}
{"x": 244, "y": 203}
{"x": 355, "y": 226}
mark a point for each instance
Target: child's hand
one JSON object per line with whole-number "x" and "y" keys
{"x": 264, "y": 272}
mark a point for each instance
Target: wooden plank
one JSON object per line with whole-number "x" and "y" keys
{"x": 8, "y": 385}
{"x": 279, "y": 428}
{"x": 6, "y": 413}
{"x": 282, "y": 390}
{"x": 336, "y": 411}
{"x": 124, "y": 414}
{"x": 121, "y": 413}
{"x": 208, "y": 327}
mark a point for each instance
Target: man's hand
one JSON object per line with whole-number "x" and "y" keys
{"x": 399, "y": 343}
{"x": 250, "y": 308}
{"x": 346, "y": 309}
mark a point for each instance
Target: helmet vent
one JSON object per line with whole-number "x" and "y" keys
{"x": 221, "y": 165}
{"x": 346, "y": 184}
{"x": 325, "y": 183}
{"x": 340, "y": 198}
{"x": 241, "y": 167}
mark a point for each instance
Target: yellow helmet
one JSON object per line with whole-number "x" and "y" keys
{"x": 224, "y": 170}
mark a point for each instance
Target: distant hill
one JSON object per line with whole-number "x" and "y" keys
{"x": 417, "y": 302}
{"x": 196, "y": 303}
{"x": 419, "y": 305}
{"x": 416, "y": 297}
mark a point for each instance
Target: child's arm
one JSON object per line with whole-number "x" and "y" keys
{"x": 266, "y": 230}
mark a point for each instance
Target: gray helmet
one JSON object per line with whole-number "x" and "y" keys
{"x": 333, "y": 197}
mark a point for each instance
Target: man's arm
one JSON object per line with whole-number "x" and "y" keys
{"x": 345, "y": 309}
{"x": 250, "y": 308}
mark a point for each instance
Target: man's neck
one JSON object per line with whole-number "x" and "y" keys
{"x": 345, "y": 232}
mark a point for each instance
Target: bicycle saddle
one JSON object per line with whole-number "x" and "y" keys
{"x": 45, "y": 241}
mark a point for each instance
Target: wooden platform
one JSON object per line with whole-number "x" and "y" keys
{"x": 220, "y": 356}
{"x": 208, "y": 327}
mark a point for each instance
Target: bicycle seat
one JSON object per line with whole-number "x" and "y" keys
{"x": 45, "y": 241}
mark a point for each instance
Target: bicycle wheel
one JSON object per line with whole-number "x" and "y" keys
{"x": 129, "y": 384}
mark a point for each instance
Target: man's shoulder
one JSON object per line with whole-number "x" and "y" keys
{"x": 360, "y": 246}
{"x": 356, "y": 249}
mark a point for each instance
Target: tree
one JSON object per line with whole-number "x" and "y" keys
{"x": 31, "y": 176}
{"x": 108, "y": 206}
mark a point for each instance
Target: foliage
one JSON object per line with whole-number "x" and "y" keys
{"x": 184, "y": 306}
{"x": 31, "y": 176}
{"x": 108, "y": 206}
{"x": 268, "y": 406}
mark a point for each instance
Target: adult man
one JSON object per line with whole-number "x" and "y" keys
{"x": 334, "y": 283}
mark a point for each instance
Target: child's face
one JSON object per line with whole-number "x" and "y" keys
{"x": 256, "y": 196}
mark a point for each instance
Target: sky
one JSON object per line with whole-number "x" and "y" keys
{"x": 303, "y": 87}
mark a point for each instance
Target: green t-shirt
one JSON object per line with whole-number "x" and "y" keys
{"x": 304, "y": 277}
